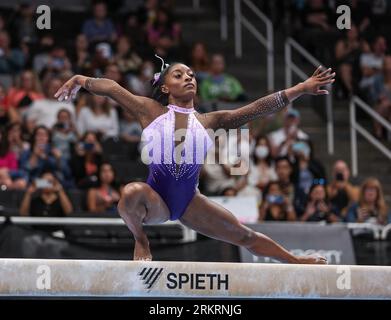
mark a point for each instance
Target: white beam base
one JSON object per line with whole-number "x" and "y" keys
{"x": 95, "y": 278}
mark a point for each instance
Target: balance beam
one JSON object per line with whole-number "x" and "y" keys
{"x": 96, "y": 278}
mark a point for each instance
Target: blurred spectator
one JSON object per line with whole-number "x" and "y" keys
{"x": 371, "y": 64}
{"x": 20, "y": 97}
{"x": 64, "y": 134}
{"x": 25, "y": 24}
{"x": 57, "y": 63}
{"x": 43, "y": 157}
{"x": 81, "y": 58}
{"x": 295, "y": 195}
{"x": 147, "y": 13}
{"x": 164, "y": 32}
{"x": 11, "y": 176}
{"x": 112, "y": 72}
{"x": 4, "y": 117}
{"x": 275, "y": 205}
{"x": 383, "y": 96}
{"x": 44, "y": 111}
{"x": 318, "y": 23}
{"x": 99, "y": 28}
{"x": 126, "y": 58}
{"x": 98, "y": 117}
{"x": 215, "y": 176}
{"x": 134, "y": 30}
{"x": 347, "y": 54}
{"x": 86, "y": 161}
{"x": 140, "y": 84}
{"x": 282, "y": 139}
{"x": 318, "y": 207}
{"x": 341, "y": 192}
{"x": 104, "y": 198}
{"x": 371, "y": 206}
{"x": 305, "y": 167}
{"x": 219, "y": 85}
{"x": 42, "y": 56}
{"x": 199, "y": 61}
{"x": 130, "y": 128}
{"x": 51, "y": 200}
{"x": 13, "y": 132}
{"x": 360, "y": 14}
{"x": 11, "y": 60}
{"x": 262, "y": 171}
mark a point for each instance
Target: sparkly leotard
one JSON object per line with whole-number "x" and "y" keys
{"x": 175, "y": 182}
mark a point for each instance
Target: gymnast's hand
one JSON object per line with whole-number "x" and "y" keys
{"x": 70, "y": 88}
{"x": 319, "y": 79}
{"x": 311, "y": 259}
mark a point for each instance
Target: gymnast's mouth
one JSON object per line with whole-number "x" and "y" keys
{"x": 189, "y": 86}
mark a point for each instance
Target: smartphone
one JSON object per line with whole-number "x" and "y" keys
{"x": 88, "y": 146}
{"x": 339, "y": 176}
{"x": 42, "y": 183}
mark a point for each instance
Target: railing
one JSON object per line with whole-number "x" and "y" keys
{"x": 291, "y": 68}
{"x": 267, "y": 41}
{"x": 356, "y": 127}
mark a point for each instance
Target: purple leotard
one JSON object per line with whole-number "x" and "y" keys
{"x": 175, "y": 183}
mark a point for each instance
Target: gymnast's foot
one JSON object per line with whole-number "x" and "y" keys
{"x": 142, "y": 252}
{"x": 312, "y": 259}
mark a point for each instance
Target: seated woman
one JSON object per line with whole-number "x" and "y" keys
{"x": 11, "y": 176}
{"x": 318, "y": 207}
{"x": 23, "y": 94}
{"x": 305, "y": 167}
{"x": 371, "y": 206}
{"x": 64, "y": 134}
{"x": 43, "y": 157}
{"x": 51, "y": 200}
{"x": 262, "y": 171}
{"x": 105, "y": 197}
{"x": 86, "y": 160}
{"x": 275, "y": 206}
{"x": 99, "y": 117}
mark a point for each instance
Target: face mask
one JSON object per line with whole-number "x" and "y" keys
{"x": 261, "y": 152}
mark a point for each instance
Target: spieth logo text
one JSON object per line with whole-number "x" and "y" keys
{"x": 182, "y": 280}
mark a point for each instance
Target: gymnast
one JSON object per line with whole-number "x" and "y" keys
{"x": 171, "y": 190}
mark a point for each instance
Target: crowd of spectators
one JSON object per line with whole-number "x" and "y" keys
{"x": 50, "y": 148}
{"x": 360, "y": 54}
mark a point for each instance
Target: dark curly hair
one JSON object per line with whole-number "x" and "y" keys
{"x": 157, "y": 93}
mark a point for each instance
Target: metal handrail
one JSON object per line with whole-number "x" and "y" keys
{"x": 355, "y": 127}
{"x": 267, "y": 41}
{"x": 291, "y": 68}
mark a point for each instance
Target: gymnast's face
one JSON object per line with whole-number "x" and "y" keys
{"x": 180, "y": 82}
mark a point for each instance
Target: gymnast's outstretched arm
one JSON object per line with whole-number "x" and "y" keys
{"x": 230, "y": 119}
{"x": 140, "y": 107}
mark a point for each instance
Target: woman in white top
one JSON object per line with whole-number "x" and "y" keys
{"x": 262, "y": 171}
{"x": 99, "y": 116}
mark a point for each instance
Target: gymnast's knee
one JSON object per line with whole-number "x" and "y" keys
{"x": 131, "y": 196}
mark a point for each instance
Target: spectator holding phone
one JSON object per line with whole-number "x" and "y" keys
{"x": 318, "y": 207}
{"x": 371, "y": 206}
{"x": 45, "y": 197}
{"x": 43, "y": 157}
{"x": 282, "y": 139}
{"x": 275, "y": 205}
{"x": 305, "y": 167}
{"x": 342, "y": 193}
{"x": 64, "y": 134}
{"x": 86, "y": 160}
{"x": 104, "y": 198}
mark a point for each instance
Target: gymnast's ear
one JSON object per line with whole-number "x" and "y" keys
{"x": 164, "y": 89}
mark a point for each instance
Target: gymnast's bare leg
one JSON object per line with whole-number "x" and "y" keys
{"x": 213, "y": 220}
{"x": 139, "y": 205}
